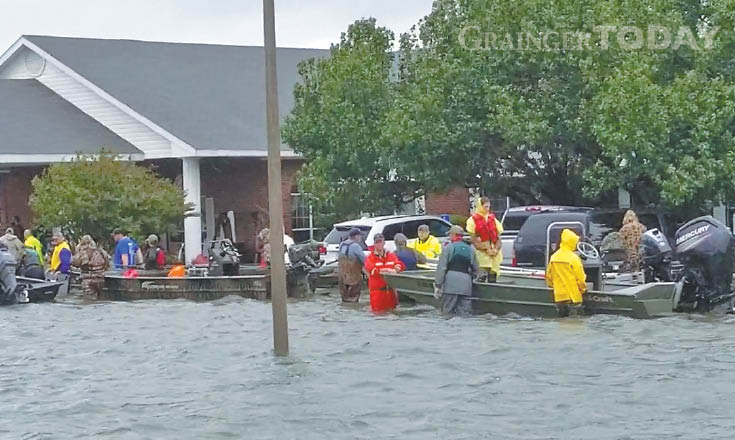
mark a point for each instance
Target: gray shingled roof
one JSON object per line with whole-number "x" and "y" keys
{"x": 35, "y": 119}
{"x": 209, "y": 96}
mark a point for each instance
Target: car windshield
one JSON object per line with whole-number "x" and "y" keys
{"x": 514, "y": 221}
{"x": 340, "y": 233}
{"x": 534, "y": 230}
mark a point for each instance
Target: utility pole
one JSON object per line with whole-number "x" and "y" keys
{"x": 275, "y": 199}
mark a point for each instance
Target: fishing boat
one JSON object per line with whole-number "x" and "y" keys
{"x": 251, "y": 282}
{"x": 39, "y": 291}
{"x": 527, "y": 295}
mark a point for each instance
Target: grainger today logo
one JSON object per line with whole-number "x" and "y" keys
{"x": 602, "y": 37}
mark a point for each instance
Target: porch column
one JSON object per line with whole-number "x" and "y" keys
{"x": 193, "y": 221}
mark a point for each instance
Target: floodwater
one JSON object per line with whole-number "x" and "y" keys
{"x": 184, "y": 370}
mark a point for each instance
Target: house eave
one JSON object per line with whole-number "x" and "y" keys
{"x": 9, "y": 160}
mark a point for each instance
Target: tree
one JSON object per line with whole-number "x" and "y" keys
{"x": 482, "y": 97}
{"x": 94, "y": 194}
{"x": 337, "y": 124}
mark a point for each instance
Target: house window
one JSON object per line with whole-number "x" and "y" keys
{"x": 299, "y": 212}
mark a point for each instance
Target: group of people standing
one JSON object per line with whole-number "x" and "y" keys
{"x": 89, "y": 258}
{"x": 459, "y": 262}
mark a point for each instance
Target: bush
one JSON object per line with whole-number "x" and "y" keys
{"x": 94, "y": 194}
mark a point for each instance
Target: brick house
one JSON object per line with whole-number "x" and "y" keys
{"x": 194, "y": 111}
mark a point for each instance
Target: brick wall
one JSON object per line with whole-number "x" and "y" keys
{"x": 15, "y": 189}
{"x": 241, "y": 185}
{"x": 237, "y": 184}
{"x": 454, "y": 201}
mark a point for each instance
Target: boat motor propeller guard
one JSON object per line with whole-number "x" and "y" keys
{"x": 705, "y": 247}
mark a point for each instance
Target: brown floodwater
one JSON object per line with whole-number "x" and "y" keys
{"x": 179, "y": 369}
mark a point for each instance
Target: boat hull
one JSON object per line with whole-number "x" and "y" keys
{"x": 530, "y": 297}
{"x": 39, "y": 290}
{"x": 253, "y": 283}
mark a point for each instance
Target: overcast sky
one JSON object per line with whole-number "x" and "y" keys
{"x": 299, "y": 23}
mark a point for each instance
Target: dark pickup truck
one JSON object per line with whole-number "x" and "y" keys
{"x": 529, "y": 249}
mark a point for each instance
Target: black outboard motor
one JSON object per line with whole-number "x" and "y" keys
{"x": 655, "y": 253}
{"x": 224, "y": 260}
{"x": 10, "y": 291}
{"x": 704, "y": 246}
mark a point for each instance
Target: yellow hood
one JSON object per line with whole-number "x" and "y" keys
{"x": 479, "y": 209}
{"x": 569, "y": 240}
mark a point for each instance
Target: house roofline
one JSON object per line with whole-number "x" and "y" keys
{"x": 176, "y": 143}
{"x": 244, "y": 153}
{"x": 17, "y": 159}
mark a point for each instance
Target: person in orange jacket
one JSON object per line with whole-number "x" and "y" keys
{"x": 382, "y": 298}
{"x": 565, "y": 274}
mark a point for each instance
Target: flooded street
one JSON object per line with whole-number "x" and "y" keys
{"x": 178, "y": 369}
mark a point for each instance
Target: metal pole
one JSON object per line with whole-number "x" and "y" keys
{"x": 311, "y": 223}
{"x": 275, "y": 199}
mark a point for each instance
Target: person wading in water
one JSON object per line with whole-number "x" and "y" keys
{"x": 380, "y": 261}
{"x": 454, "y": 274}
{"x": 93, "y": 261}
{"x": 351, "y": 260}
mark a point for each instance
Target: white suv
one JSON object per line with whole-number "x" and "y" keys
{"x": 389, "y": 226}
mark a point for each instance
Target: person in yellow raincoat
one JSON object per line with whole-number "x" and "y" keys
{"x": 426, "y": 244}
{"x": 485, "y": 230}
{"x": 565, "y": 274}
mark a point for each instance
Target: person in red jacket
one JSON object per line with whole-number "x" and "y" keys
{"x": 380, "y": 261}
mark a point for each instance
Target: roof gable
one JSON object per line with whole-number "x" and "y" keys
{"x": 37, "y": 120}
{"x": 212, "y": 97}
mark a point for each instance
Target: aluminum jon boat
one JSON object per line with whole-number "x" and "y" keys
{"x": 526, "y": 294}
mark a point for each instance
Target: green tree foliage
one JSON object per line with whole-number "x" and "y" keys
{"x": 337, "y": 124}
{"x": 463, "y": 104}
{"x": 94, "y": 194}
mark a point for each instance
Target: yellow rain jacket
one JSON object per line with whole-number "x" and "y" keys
{"x": 484, "y": 260}
{"x": 431, "y": 248}
{"x": 565, "y": 273}
{"x": 33, "y": 243}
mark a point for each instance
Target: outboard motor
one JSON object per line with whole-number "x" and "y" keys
{"x": 10, "y": 291}
{"x": 655, "y": 253}
{"x": 224, "y": 260}
{"x": 705, "y": 248}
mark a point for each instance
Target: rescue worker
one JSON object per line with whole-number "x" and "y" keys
{"x": 485, "y": 230}
{"x": 127, "y": 253}
{"x": 426, "y": 244}
{"x": 154, "y": 256}
{"x": 33, "y": 243}
{"x": 630, "y": 234}
{"x": 14, "y": 245}
{"x": 410, "y": 257}
{"x": 350, "y": 262}
{"x": 380, "y": 261}
{"x": 454, "y": 274}
{"x": 565, "y": 274}
{"x": 61, "y": 257}
{"x": 93, "y": 262}
{"x": 31, "y": 266}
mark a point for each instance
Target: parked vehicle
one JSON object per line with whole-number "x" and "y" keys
{"x": 389, "y": 226}
{"x": 529, "y": 249}
{"x": 514, "y": 218}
